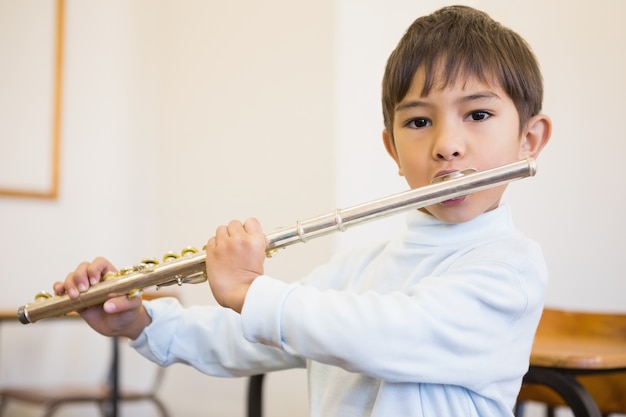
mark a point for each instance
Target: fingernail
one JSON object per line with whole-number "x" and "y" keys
{"x": 93, "y": 281}
{"x": 73, "y": 293}
{"x": 109, "y": 307}
{"x": 82, "y": 287}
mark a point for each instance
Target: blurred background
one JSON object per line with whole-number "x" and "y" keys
{"x": 178, "y": 116}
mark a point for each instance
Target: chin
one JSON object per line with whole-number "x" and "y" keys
{"x": 455, "y": 212}
{"x": 454, "y": 218}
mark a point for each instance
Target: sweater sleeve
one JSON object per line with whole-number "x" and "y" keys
{"x": 469, "y": 325}
{"x": 209, "y": 338}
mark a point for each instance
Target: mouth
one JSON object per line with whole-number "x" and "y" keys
{"x": 454, "y": 201}
{"x": 450, "y": 175}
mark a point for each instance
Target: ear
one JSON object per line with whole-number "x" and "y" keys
{"x": 535, "y": 136}
{"x": 391, "y": 149}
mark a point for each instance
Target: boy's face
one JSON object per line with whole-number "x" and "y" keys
{"x": 468, "y": 124}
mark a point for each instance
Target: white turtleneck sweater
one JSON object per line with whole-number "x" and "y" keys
{"x": 436, "y": 322}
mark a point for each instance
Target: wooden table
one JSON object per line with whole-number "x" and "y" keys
{"x": 571, "y": 347}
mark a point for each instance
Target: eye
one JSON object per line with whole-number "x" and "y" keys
{"x": 479, "y": 116}
{"x": 418, "y": 123}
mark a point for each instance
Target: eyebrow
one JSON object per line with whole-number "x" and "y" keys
{"x": 413, "y": 104}
{"x": 465, "y": 99}
{"x": 480, "y": 96}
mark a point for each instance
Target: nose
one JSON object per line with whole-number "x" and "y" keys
{"x": 448, "y": 144}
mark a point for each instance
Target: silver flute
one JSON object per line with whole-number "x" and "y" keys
{"x": 189, "y": 267}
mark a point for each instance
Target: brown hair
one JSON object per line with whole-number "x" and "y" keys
{"x": 462, "y": 41}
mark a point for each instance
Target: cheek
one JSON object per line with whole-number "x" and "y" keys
{"x": 502, "y": 152}
{"x": 412, "y": 155}
{"x": 415, "y": 176}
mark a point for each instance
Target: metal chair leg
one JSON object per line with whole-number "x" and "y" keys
{"x": 575, "y": 395}
{"x": 255, "y": 396}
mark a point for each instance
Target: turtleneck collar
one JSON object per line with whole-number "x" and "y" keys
{"x": 423, "y": 228}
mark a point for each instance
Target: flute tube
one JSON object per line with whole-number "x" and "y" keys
{"x": 193, "y": 265}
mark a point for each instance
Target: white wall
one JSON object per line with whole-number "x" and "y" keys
{"x": 247, "y": 130}
{"x": 575, "y": 204}
{"x": 104, "y": 203}
{"x": 179, "y": 115}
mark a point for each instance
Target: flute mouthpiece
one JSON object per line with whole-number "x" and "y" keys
{"x": 453, "y": 175}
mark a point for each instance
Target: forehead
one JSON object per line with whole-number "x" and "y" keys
{"x": 425, "y": 80}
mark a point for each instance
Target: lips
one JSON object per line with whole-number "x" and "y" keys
{"x": 449, "y": 174}
{"x": 454, "y": 201}
{"x": 446, "y": 175}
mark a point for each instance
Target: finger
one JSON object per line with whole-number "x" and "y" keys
{"x": 240, "y": 237}
{"x": 252, "y": 226}
{"x": 221, "y": 232}
{"x": 97, "y": 269}
{"x": 121, "y": 304}
{"x": 77, "y": 281}
{"x": 210, "y": 244}
{"x": 59, "y": 288}
{"x": 235, "y": 227}
{"x": 221, "y": 236}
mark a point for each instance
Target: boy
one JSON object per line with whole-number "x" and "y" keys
{"x": 438, "y": 321}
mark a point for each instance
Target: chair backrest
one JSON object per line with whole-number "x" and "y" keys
{"x": 555, "y": 323}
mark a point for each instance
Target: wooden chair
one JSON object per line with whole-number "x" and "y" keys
{"x": 578, "y": 361}
{"x": 106, "y": 396}
{"x": 52, "y": 399}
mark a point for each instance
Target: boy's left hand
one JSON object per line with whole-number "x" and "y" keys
{"x": 234, "y": 258}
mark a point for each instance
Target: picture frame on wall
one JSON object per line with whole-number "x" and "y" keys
{"x": 31, "y": 58}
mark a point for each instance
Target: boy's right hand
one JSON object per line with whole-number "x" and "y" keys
{"x": 119, "y": 315}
